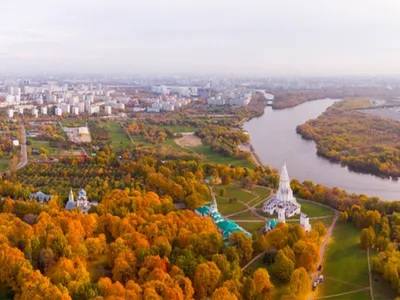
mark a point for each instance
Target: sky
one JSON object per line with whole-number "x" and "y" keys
{"x": 248, "y": 37}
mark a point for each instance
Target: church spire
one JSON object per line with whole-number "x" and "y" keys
{"x": 284, "y": 173}
{"x": 71, "y": 196}
{"x": 213, "y": 204}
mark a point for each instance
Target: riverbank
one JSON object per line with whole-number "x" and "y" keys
{"x": 275, "y": 141}
{"x": 363, "y": 142}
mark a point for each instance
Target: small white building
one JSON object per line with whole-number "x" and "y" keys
{"x": 15, "y": 143}
{"x": 43, "y": 110}
{"x": 305, "y": 222}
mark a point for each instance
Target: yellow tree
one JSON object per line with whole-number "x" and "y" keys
{"x": 206, "y": 279}
{"x": 262, "y": 286}
{"x": 300, "y": 283}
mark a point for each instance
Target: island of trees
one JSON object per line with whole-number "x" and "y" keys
{"x": 361, "y": 141}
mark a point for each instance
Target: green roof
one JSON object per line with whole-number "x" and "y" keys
{"x": 203, "y": 210}
{"x": 272, "y": 223}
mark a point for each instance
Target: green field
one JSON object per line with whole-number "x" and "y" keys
{"x": 314, "y": 210}
{"x": 226, "y": 208}
{"x": 233, "y": 191}
{"x": 245, "y": 216}
{"x": 263, "y": 193}
{"x": 3, "y": 164}
{"x": 220, "y": 159}
{"x": 326, "y": 221}
{"x": 345, "y": 261}
{"x": 118, "y": 137}
{"x": 251, "y": 226}
{"x": 41, "y": 144}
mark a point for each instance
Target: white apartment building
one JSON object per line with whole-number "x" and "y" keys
{"x": 43, "y": 110}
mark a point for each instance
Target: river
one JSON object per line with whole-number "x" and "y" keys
{"x": 274, "y": 138}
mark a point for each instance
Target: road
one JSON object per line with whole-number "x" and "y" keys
{"x": 24, "y": 153}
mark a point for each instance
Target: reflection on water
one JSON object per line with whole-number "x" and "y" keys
{"x": 275, "y": 140}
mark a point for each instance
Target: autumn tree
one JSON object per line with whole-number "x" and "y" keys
{"x": 206, "y": 279}
{"x": 300, "y": 283}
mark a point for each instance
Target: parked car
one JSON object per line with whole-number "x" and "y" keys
{"x": 314, "y": 286}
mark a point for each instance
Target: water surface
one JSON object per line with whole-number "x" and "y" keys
{"x": 274, "y": 138}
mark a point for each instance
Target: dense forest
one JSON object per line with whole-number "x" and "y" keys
{"x": 364, "y": 142}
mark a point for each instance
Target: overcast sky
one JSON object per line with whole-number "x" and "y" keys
{"x": 279, "y": 37}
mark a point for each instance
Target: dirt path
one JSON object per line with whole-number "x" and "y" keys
{"x": 370, "y": 277}
{"x": 253, "y": 260}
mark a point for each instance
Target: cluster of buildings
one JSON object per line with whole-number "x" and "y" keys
{"x": 225, "y": 227}
{"x": 284, "y": 205}
{"x": 165, "y": 103}
{"x": 82, "y": 201}
{"x": 233, "y": 98}
{"x": 57, "y": 100}
{"x": 182, "y": 91}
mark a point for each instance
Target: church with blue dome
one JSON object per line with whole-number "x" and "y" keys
{"x": 81, "y": 202}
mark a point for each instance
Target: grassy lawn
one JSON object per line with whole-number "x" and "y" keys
{"x": 118, "y": 137}
{"x": 41, "y": 144}
{"x": 226, "y": 208}
{"x": 179, "y": 128}
{"x": 220, "y": 159}
{"x": 345, "y": 261}
{"x": 251, "y": 226}
{"x": 244, "y": 216}
{"x": 3, "y": 164}
{"x": 313, "y": 210}
{"x": 326, "y": 221}
{"x": 263, "y": 193}
{"x": 235, "y": 192}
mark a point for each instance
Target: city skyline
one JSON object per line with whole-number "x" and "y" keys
{"x": 263, "y": 38}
